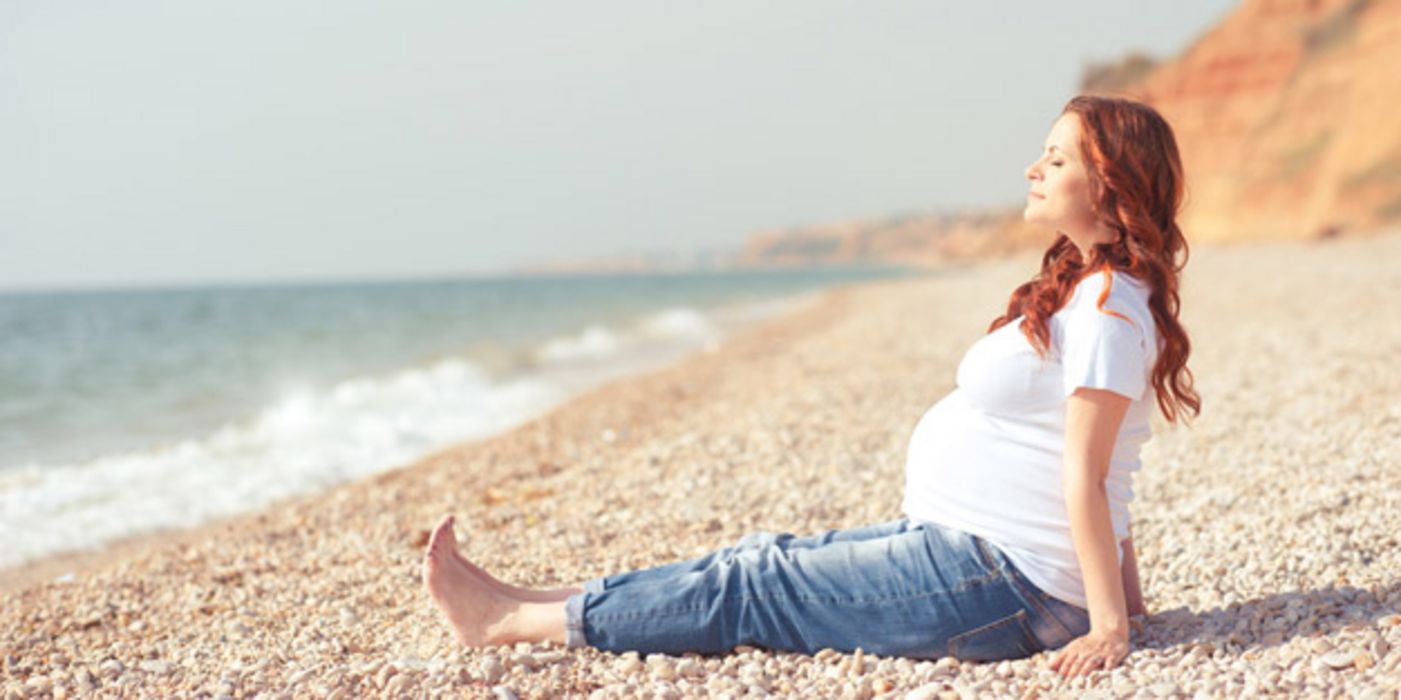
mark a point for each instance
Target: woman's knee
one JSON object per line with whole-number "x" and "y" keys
{"x": 759, "y": 540}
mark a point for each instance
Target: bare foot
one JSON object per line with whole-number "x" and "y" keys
{"x": 478, "y": 614}
{"x": 553, "y": 595}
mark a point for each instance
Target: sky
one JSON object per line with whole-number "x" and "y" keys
{"x": 229, "y": 142}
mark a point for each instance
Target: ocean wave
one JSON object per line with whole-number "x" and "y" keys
{"x": 305, "y": 442}
{"x": 678, "y": 326}
{"x": 310, "y": 440}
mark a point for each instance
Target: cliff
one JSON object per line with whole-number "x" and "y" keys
{"x": 1286, "y": 115}
{"x": 1286, "y": 118}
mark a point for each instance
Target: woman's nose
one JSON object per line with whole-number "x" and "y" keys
{"x": 1031, "y": 171}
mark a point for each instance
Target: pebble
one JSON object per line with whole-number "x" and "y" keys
{"x": 397, "y": 684}
{"x": 491, "y": 670}
{"x": 160, "y": 668}
{"x": 1163, "y": 690}
{"x": 546, "y": 658}
{"x": 386, "y": 672}
{"x": 928, "y": 691}
{"x": 661, "y": 667}
{"x": 1338, "y": 659}
{"x": 690, "y": 668}
{"x": 628, "y": 665}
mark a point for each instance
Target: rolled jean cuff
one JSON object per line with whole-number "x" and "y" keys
{"x": 574, "y": 637}
{"x": 594, "y": 585}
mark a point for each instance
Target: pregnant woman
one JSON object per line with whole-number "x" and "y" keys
{"x": 1015, "y": 533}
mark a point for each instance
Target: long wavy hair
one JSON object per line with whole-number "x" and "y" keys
{"x": 1136, "y": 188}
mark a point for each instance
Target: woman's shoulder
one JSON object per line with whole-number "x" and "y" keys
{"x": 1128, "y": 300}
{"x": 1124, "y": 288}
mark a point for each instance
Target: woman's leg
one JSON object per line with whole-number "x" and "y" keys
{"x": 475, "y": 602}
{"x": 478, "y": 612}
{"x": 752, "y": 541}
{"x": 922, "y": 591}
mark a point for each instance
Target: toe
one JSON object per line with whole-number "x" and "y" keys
{"x": 449, "y": 533}
{"x": 442, "y": 542}
{"x": 431, "y": 566}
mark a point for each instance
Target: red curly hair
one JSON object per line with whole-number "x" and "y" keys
{"x": 1136, "y": 188}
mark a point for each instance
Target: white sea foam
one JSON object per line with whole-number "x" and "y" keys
{"x": 678, "y": 323}
{"x": 592, "y": 343}
{"x": 311, "y": 440}
{"x": 656, "y": 333}
{"x": 306, "y": 442}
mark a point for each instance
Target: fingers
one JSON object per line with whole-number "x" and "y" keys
{"x": 1081, "y": 656}
{"x": 1087, "y": 664}
{"x": 1082, "y": 666}
{"x": 1074, "y": 663}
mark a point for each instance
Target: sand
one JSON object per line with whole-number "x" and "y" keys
{"x": 1266, "y": 531}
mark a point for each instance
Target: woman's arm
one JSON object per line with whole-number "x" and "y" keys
{"x": 1092, "y": 421}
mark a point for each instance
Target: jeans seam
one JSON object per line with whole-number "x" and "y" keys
{"x": 574, "y": 633}
{"x": 986, "y": 556}
{"x": 805, "y": 599}
{"x": 1041, "y": 609}
{"x": 1018, "y": 618}
{"x": 1029, "y": 595}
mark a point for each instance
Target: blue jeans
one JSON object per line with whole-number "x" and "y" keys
{"x": 900, "y": 588}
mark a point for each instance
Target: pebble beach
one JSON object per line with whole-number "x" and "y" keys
{"x": 1266, "y": 530}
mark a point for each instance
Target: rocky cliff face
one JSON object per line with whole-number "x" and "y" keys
{"x": 1286, "y": 115}
{"x": 1287, "y": 118}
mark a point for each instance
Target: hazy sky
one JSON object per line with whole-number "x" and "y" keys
{"x": 220, "y": 141}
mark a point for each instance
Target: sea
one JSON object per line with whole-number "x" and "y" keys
{"x": 124, "y": 412}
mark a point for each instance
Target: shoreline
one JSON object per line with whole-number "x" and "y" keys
{"x": 50, "y": 568}
{"x": 1265, "y": 530}
{"x": 735, "y": 318}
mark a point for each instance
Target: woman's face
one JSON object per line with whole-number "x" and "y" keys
{"x": 1059, "y": 196}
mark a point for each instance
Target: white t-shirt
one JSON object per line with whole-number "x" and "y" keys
{"x": 986, "y": 459}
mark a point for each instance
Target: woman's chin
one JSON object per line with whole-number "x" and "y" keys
{"x": 1033, "y": 214}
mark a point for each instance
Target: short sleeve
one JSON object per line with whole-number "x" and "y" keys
{"x": 1103, "y": 351}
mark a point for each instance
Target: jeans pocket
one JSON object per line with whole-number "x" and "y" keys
{"x": 1007, "y": 638}
{"x": 1053, "y": 622}
{"x": 1057, "y": 622}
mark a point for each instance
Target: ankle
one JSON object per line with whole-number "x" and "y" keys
{"x": 531, "y": 622}
{"x": 508, "y": 627}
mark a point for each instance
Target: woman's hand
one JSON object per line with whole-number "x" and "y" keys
{"x": 1094, "y": 651}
